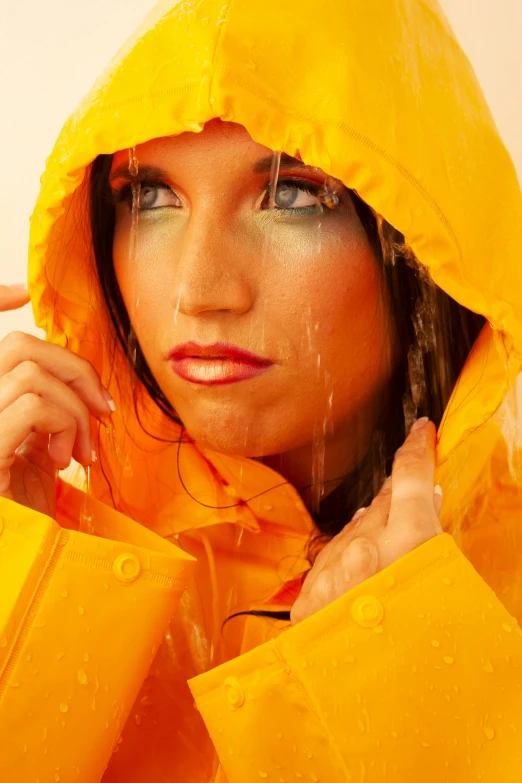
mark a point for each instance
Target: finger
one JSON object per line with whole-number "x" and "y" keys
{"x": 29, "y": 378}
{"x": 375, "y": 518}
{"x": 28, "y": 414}
{"x": 365, "y": 522}
{"x": 359, "y": 561}
{"x": 412, "y": 503}
{"x": 13, "y": 297}
{"x": 309, "y": 602}
{"x": 69, "y": 368}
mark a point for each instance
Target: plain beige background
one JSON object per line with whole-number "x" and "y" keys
{"x": 51, "y": 52}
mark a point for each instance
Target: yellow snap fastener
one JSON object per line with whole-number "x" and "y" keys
{"x": 234, "y": 692}
{"x": 367, "y": 611}
{"x": 127, "y": 567}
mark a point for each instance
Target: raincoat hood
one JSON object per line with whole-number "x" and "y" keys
{"x": 410, "y": 673}
{"x": 379, "y": 95}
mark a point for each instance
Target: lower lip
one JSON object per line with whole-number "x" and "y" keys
{"x": 214, "y": 372}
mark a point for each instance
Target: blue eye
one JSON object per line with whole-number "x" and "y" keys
{"x": 152, "y": 195}
{"x": 157, "y": 194}
{"x": 296, "y": 195}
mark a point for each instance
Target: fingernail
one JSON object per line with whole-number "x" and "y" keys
{"x": 94, "y": 456}
{"x": 359, "y": 512}
{"x": 437, "y": 489}
{"x": 397, "y": 452}
{"x": 420, "y": 423}
{"x": 110, "y": 402}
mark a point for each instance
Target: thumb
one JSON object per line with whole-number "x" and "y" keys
{"x": 12, "y": 297}
{"x": 412, "y": 511}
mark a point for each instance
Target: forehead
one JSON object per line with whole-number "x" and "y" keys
{"x": 218, "y": 138}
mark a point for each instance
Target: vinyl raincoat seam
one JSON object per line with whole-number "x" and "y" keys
{"x": 38, "y": 596}
{"x": 104, "y": 564}
{"x": 300, "y": 686}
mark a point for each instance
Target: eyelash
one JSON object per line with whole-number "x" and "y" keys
{"x": 120, "y": 195}
{"x": 124, "y": 193}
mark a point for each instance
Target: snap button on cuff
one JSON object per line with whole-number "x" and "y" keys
{"x": 367, "y": 611}
{"x": 234, "y": 692}
{"x": 127, "y": 567}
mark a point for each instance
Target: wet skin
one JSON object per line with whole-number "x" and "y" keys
{"x": 296, "y": 284}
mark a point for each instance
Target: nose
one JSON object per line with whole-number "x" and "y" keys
{"x": 211, "y": 273}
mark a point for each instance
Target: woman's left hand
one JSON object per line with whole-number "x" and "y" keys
{"x": 401, "y": 517}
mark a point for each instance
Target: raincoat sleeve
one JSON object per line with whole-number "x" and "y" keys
{"x": 80, "y": 619}
{"x": 415, "y": 671}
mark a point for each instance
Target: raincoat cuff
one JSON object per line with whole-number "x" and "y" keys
{"x": 81, "y": 617}
{"x": 397, "y": 668}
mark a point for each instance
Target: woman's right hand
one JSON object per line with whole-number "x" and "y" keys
{"x": 47, "y": 398}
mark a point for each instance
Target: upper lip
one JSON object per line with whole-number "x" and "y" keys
{"x": 216, "y": 351}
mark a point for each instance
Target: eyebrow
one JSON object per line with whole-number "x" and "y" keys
{"x": 287, "y": 161}
{"x": 144, "y": 172}
{"x": 154, "y": 172}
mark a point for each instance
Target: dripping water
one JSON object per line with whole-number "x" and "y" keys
{"x": 86, "y": 525}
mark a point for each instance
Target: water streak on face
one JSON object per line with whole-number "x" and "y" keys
{"x": 297, "y": 285}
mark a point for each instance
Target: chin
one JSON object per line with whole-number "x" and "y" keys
{"x": 234, "y": 443}
{"x": 240, "y": 435}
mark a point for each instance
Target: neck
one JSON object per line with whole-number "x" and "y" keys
{"x": 317, "y": 468}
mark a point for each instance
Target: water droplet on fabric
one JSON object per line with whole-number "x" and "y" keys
{"x": 81, "y": 610}
{"x": 64, "y": 708}
{"x": 82, "y": 677}
{"x": 448, "y": 659}
{"x": 489, "y": 731}
{"x": 435, "y": 643}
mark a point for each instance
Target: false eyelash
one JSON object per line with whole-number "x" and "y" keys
{"x": 303, "y": 184}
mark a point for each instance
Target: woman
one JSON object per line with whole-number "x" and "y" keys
{"x": 238, "y": 343}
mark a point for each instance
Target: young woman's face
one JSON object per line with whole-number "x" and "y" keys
{"x": 212, "y": 270}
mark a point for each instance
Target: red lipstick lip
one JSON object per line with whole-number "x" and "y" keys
{"x": 216, "y": 364}
{"x": 217, "y": 351}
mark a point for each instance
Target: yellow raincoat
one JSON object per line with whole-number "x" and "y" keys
{"x": 417, "y": 672}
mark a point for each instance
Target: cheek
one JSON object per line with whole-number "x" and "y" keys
{"x": 334, "y": 296}
{"x": 337, "y": 313}
{"x": 143, "y": 275}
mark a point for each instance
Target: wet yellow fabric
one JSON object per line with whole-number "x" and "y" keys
{"x": 415, "y": 671}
